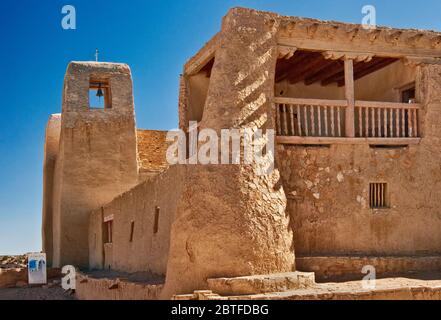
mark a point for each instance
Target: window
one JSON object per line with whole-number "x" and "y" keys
{"x": 108, "y": 232}
{"x": 378, "y": 196}
{"x": 132, "y": 230}
{"x": 99, "y": 94}
{"x": 156, "y": 224}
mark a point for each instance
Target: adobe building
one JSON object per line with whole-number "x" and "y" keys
{"x": 357, "y": 178}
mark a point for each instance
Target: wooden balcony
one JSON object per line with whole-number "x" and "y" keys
{"x": 317, "y": 122}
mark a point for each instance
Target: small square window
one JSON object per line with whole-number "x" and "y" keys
{"x": 378, "y": 197}
{"x": 99, "y": 94}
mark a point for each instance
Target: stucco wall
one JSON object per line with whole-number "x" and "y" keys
{"x": 147, "y": 251}
{"x": 97, "y": 159}
{"x": 51, "y": 150}
{"x": 96, "y": 240}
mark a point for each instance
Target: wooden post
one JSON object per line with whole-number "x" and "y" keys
{"x": 350, "y": 97}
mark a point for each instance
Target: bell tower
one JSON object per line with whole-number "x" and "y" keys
{"x": 97, "y": 156}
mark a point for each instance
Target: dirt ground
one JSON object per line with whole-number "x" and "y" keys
{"x": 53, "y": 290}
{"x": 37, "y": 293}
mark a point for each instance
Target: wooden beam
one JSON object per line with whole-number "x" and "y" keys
{"x": 306, "y": 68}
{"x": 341, "y": 76}
{"x": 350, "y": 97}
{"x": 333, "y": 140}
{"x": 334, "y": 77}
{"x": 331, "y": 71}
{"x": 319, "y": 71}
{"x": 310, "y": 102}
{"x": 358, "y": 67}
{"x": 387, "y": 105}
{"x": 286, "y": 52}
{"x": 283, "y": 67}
{"x": 379, "y": 49}
{"x": 372, "y": 68}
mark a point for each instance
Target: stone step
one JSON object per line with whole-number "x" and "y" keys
{"x": 261, "y": 283}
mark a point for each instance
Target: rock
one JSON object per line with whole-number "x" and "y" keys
{"x": 309, "y": 184}
{"x": 340, "y": 177}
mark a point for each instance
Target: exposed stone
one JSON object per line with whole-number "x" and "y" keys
{"x": 261, "y": 283}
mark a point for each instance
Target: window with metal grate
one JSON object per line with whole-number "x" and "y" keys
{"x": 378, "y": 196}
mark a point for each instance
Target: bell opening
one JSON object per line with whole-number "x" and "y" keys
{"x": 99, "y": 94}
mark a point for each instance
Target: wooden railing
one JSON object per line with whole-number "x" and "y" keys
{"x": 310, "y": 117}
{"x": 326, "y": 118}
{"x": 386, "y": 120}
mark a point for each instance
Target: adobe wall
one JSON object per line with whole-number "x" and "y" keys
{"x": 51, "y": 149}
{"x": 89, "y": 288}
{"x": 97, "y": 158}
{"x": 225, "y": 224}
{"x": 96, "y": 240}
{"x": 148, "y": 251}
{"x": 328, "y": 191}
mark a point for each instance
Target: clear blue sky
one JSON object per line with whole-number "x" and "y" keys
{"x": 154, "y": 37}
